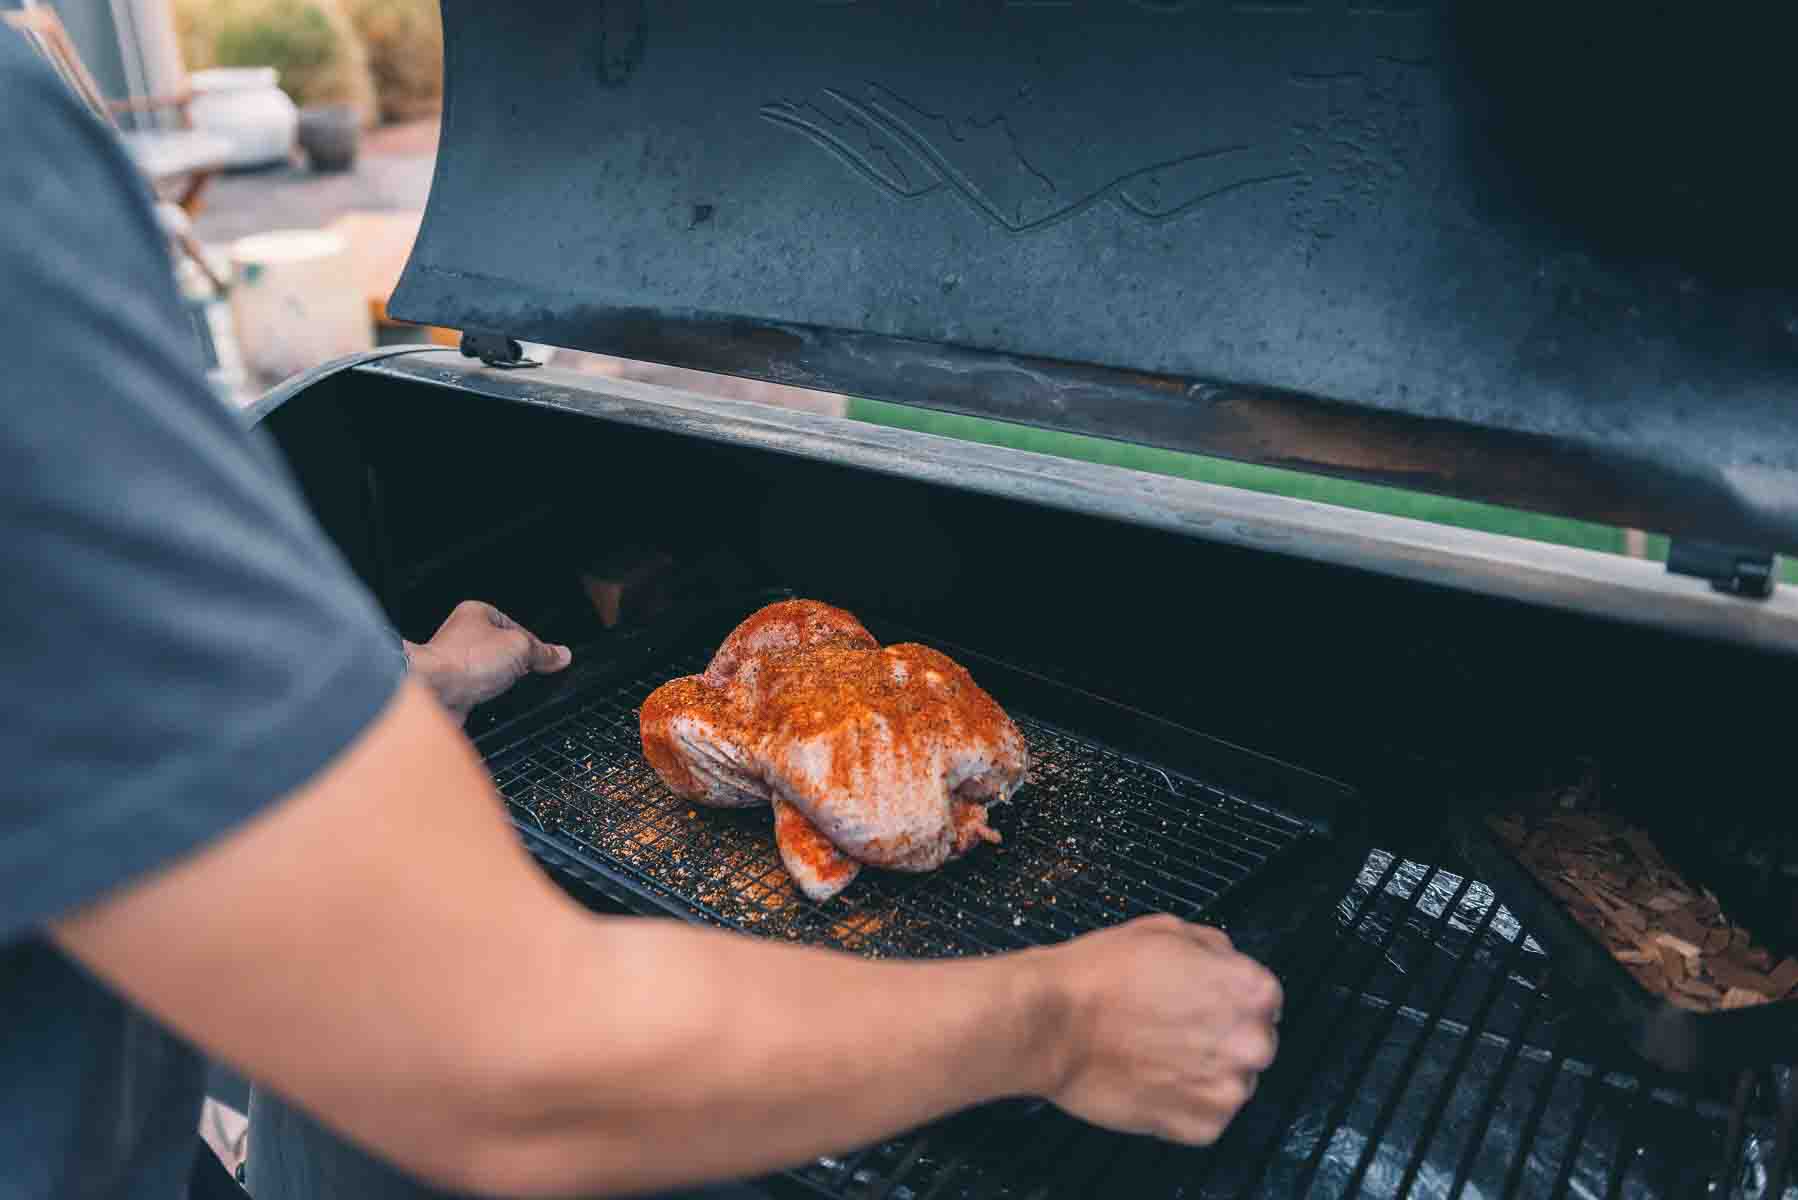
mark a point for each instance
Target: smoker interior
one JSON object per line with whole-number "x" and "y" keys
{"x": 1427, "y": 1047}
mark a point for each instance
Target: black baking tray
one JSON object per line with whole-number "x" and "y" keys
{"x": 1663, "y": 1034}
{"x": 1124, "y": 814}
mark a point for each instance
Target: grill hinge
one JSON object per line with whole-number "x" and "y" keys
{"x": 496, "y": 350}
{"x": 1737, "y": 570}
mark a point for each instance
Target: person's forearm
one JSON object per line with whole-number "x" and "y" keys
{"x": 662, "y": 1054}
{"x": 400, "y": 968}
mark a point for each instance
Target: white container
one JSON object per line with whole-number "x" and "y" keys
{"x": 295, "y": 302}
{"x": 244, "y": 106}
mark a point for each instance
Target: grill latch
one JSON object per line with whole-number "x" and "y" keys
{"x": 1737, "y": 570}
{"x": 496, "y": 350}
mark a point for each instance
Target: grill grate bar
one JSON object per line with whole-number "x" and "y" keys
{"x": 1151, "y": 878}
{"x": 1382, "y": 1029}
{"x": 1780, "y": 1170}
{"x": 1489, "y": 1106}
{"x": 1291, "y": 1061}
{"x": 1214, "y": 865}
{"x": 894, "y": 1179}
{"x": 1629, "y": 1135}
{"x": 1495, "y": 988}
{"x": 1582, "y": 1128}
{"x": 1389, "y": 1109}
{"x": 1330, "y": 1033}
{"x": 1531, "y": 1126}
{"x": 1245, "y": 826}
{"x": 1734, "y": 1145}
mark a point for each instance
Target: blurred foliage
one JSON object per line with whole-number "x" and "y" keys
{"x": 312, "y": 44}
{"x": 404, "y": 41}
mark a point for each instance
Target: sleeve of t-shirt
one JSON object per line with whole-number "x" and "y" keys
{"x": 182, "y": 646}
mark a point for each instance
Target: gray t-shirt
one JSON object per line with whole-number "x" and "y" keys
{"x": 181, "y": 645}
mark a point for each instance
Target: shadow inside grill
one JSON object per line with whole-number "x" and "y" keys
{"x": 1424, "y": 1049}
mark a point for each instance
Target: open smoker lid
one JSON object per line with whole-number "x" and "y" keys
{"x": 1541, "y": 256}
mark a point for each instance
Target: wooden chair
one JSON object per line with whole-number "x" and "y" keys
{"x": 179, "y": 162}
{"x": 182, "y": 161}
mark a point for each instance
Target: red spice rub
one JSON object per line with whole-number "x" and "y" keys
{"x": 885, "y": 756}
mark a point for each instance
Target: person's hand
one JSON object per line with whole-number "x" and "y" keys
{"x": 1169, "y": 1029}
{"x": 477, "y": 654}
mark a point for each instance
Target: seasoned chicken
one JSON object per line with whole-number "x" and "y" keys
{"x": 885, "y": 757}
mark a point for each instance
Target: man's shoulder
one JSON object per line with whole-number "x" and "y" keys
{"x": 26, "y": 80}
{"x": 76, "y": 224}
{"x": 47, "y": 135}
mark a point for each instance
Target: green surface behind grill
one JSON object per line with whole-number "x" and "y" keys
{"x": 1391, "y": 501}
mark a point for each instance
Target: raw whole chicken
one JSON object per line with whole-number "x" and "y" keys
{"x": 869, "y": 755}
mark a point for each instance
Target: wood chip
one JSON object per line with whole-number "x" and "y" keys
{"x": 1682, "y": 924}
{"x": 1701, "y": 990}
{"x": 1673, "y": 938}
{"x": 1591, "y": 893}
{"x": 1677, "y": 944}
{"x": 1731, "y": 974}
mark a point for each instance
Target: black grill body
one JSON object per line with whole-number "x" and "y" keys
{"x": 1518, "y": 253}
{"x": 1243, "y": 710}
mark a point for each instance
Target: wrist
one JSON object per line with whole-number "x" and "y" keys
{"x": 1047, "y": 1012}
{"x": 423, "y": 665}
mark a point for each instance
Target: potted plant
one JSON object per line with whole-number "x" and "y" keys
{"x": 330, "y": 134}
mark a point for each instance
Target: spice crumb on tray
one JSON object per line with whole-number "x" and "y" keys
{"x": 1674, "y": 938}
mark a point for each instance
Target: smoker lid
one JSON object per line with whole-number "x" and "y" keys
{"x": 1536, "y": 254}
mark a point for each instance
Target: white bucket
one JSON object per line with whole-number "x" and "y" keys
{"x": 295, "y": 302}
{"x": 245, "y": 106}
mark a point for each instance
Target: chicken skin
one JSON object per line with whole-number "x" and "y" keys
{"x": 886, "y": 757}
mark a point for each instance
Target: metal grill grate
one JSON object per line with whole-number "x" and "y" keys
{"x": 1425, "y": 1050}
{"x": 1094, "y": 838}
{"x": 1423, "y": 1056}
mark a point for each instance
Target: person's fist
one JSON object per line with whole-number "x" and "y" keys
{"x": 1170, "y": 1029}
{"x": 478, "y": 653}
